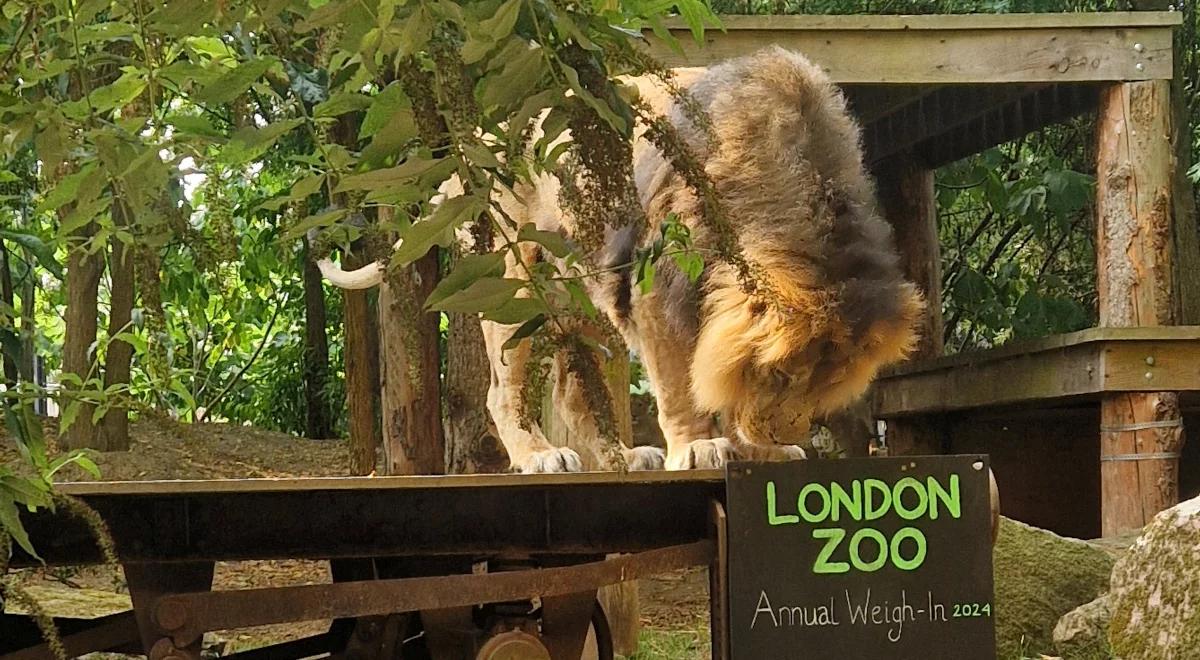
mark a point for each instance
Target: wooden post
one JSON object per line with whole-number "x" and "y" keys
{"x": 906, "y": 198}
{"x": 1141, "y": 433}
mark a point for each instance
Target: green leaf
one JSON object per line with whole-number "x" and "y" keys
{"x": 418, "y": 28}
{"x": 139, "y": 344}
{"x": 517, "y": 310}
{"x": 594, "y": 103}
{"x": 312, "y": 222}
{"x": 484, "y": 36}
{"x": 182, "y": 17}
{"x": 389, "y": 176}
{"x": 1068, "y": 190}
{"x": 39, "y": 248}
{"x": 466, "y": 272}
{"x": 340, "y": 104}
{"x": 109, "y": 31}
{"x": 483, "y": 295}
{"x": 480, "y": 155}
{"x": 67, "y": 189}
{"x": 250, "y": 143}
{"x": 551, "y": 240}
{"x": 10, "y": 522}
{"x": 526, "y": 330}
{"x": 234, "y": 83}
{"x": 383, "y": 108}
{"x": 195, "y": 125}
{"x": 424, "y": 234}
{"x": 519, "y": 75}
{"x": 695, "y": 13}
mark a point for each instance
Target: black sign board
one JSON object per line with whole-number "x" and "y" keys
{"x": 861, "y": 558}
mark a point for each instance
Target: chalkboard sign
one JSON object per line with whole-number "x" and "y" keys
{"x": 860, "y": 558}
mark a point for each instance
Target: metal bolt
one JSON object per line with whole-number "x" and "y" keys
{"x": 170, "y": 615}
{"x": 1138, "y": 48}
{"x": 1149, "y": 375}
{"x": 977, "y": 465}
{"x": 1150, "y": 360}
{"x": 1139, "y": 66}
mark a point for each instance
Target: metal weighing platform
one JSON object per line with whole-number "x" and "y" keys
{"x": 496, "y": 566}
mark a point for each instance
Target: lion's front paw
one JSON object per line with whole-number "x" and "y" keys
{"x": 753, "y": 452}
{"x": 555, "y": 459}
{"x": 703, "y": 454}
{"x": 644, "y": 458}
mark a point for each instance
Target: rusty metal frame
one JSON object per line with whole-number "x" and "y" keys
{"x": 186, "y": 617}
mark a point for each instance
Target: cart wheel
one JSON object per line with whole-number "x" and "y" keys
{"x": 602, "y": 633}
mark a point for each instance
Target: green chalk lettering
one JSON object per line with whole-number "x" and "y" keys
{"x": 856, "y": 558}
{"x": 918, "y": 558}
{"x": 802, "y": 503}
{"x": 833, "y": 537}
{"x": 951, "y": 499}
{"x": 872, "y": 512}
{"x": 774, "y": 518}
{"x": 898, "y": 499}
{"x": 852, "y": 501}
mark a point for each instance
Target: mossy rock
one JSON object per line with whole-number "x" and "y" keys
{"x": 1039, "y": 577}
{"x": 1082, "y": 633}
{"x": 1156, "y": 590}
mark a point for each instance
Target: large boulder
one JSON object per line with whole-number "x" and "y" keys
{"x": 1082, "y": 633}
{"x": 1156, "y": 590}
{"x": 1039, "y": 577}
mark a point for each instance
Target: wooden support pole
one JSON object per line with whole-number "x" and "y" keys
{"x": 906, "y": 197}
{"x": 1141, "y": 433}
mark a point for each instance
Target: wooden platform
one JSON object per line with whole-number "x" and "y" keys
{"x": 1046, "y": 372}
{"x": 345, "y": 517}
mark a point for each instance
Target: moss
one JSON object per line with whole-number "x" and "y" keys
{"x": 1155, "y": 609}
{"x": 1040, "y": 577}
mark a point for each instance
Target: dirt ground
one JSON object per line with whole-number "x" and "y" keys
{"x": 671, "y": 605}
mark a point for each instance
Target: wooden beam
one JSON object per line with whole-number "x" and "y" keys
{"x": 1141, "y": 433}
{"x": 948, "y": 49}
{"x": 907, "y": 198}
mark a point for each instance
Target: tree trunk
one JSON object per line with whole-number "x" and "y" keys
{"x": 8, "y": 297}
{"x": 411, "y": 365}
{"x": 471, "y": 443}
{"x": 362, "y": 376}
{"x": 114, "y": 429}
{"x": 83, "y": 281}
{"x": 316, "y": 352}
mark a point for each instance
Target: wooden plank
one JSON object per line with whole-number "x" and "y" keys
{"x": 1141, "y": 433}
{"x": 1042, "y": 376}
{"x": 206, "y": 486}
{"x": 1181, "y": 333}
{"x": 945, "y": 55}
{"x": 1051, "y": 20}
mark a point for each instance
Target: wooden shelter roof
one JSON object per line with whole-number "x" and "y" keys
{"x": 947, "y": 86}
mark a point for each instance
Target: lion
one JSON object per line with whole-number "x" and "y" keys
{"x": 734, "y": 375}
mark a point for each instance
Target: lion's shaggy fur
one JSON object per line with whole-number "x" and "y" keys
{"x": 788, "y": 167}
